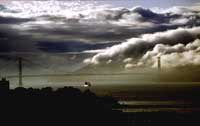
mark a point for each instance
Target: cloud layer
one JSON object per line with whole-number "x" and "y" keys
{"x": 101, "y": 33}
{"x": 174, "y": 56}
{"x": 169, "y": 44}
{"x": 87, "y": 22}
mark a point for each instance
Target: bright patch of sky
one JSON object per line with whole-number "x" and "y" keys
{"x": 163, "y": 3}
{"x": 129, "y": 3}
{"x": 149, "y": 3}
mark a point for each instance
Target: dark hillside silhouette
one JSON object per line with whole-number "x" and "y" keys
{"x": 71, "y": 107}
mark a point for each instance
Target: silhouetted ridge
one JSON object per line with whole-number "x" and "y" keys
{"x": 72, "y": 107}
{"x": 65, "y": 105}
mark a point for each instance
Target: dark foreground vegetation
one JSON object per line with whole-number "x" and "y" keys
{"x": 71, "y": 107}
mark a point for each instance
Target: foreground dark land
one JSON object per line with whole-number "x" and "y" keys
{"x": 70, "y": 106}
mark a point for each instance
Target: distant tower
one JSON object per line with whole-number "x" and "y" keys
{"x": 20, "y": 72}
{"x": 159, "y": 62}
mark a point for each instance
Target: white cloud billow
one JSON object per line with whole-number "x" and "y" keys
{"x": 139, "y": 49}
{"x": 174, "y": 56}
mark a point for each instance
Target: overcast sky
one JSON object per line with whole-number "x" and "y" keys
{"x": 70, "y": 35}
{"x": 130, "y": 3}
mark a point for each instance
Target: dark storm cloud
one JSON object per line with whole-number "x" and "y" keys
{"x": 112, "y": 24}
{"x": 12, "y": 20}
{"x": 71, "y": 46}
{"x": 109, "y": 25}
{"x": 92, "y": 34}
{"x": 12, "y": 41}
{"x": 56, "y": 33}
